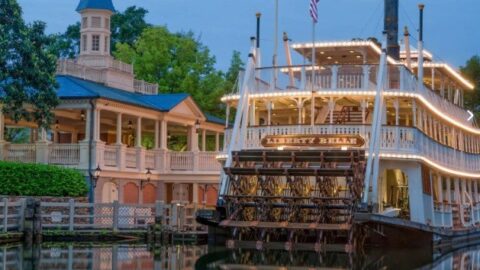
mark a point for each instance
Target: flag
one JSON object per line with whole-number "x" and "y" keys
{"x": 314, "y": 10}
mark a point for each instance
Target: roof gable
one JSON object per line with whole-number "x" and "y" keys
{"x": 187, "y": 108}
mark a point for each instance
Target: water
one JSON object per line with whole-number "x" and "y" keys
{"x": 125, "y": 256}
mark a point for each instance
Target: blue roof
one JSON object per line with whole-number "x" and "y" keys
{"x": 75, "y": 88}
{"x": 95, "y": 4}
{"x": 214, "y": 119}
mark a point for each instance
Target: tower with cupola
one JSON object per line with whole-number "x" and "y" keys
{"x": 95, "y": 27}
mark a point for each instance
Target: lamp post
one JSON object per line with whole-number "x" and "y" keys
{"x": 148, "y": 176}
{"x": 95, "y": 175}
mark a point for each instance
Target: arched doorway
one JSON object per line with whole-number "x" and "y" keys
{"x": 130, "y": 193}
{"x": 149, "y": 193}
{"x": 109, "y": 192}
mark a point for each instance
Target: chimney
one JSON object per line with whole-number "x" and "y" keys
{"x": 258, "y": 15}
{"x": 391, "y": 27}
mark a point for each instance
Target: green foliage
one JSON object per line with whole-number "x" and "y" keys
{"x": 27, "y": 69}
{"x": 472, "y": 98}
{"x": 66, "y": 45}
{"x": 19, "y": 179}
{"x": 180, "y": 64}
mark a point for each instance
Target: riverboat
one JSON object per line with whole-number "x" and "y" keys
{"x": 364, "y": 142}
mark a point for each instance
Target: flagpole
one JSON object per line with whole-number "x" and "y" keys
{"x": 312, "y": 100}
{"x": 275, "y": 50}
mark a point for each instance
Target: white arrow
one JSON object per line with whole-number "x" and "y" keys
{"x": 471, "y": 115}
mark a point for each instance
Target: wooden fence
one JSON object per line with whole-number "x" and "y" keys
{"x": 74, "y": 216}
{"x": 12, "y": 215}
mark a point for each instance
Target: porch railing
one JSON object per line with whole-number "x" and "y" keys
{"x": 20, "y": 153}
{"x": 64, "y": 154}
{"x": 183, "y": 161}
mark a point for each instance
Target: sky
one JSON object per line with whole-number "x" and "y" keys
{"x": 452, "y": 31}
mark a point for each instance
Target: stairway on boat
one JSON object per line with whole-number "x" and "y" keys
{"x": 347, "y": 115}
{"x": 294, "y": 198}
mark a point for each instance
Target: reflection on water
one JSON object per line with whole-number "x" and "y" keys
{"x": 53, "y": 256}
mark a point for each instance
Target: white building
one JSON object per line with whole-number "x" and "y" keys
{"x": 106, "y": 115}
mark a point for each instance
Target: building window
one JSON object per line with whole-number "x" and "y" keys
{"x": 107, "y": 23}
{"x": 96, "y": 22}
{"x": 84, "y": 42}
{"x": 84, "y": 22}
{"x": 106, "y": 44}
{"x": 95, "y": 43}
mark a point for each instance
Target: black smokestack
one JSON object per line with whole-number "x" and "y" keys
{"x": 391, "y": 27}
{"x": 259, "y": 15}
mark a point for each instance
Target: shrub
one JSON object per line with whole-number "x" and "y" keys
{"x": 22, "y": 179}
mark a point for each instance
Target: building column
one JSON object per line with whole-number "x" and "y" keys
{"x": 195, "y": 193}
{"x": 97, "y": 125}
{"x": 193, "y": 138}
{"x": 227, "y": 115}
{"x": 157, "y": 135}
{"x": 449, "y": 190}
{"x": 119, "y": 128}
{"x": 204, "y": 140}
{"x": 163, "y": 135}
{"x": 269, "y": 112}
{"x": 414, "y": 112}
{"x": 439, "y": 188}
{"x": 252, "y": 113}
{"x": 331, "y": 108}
{"x": 138, "y": 137}
{"x": 217, "y": 141}
{"x": 364, "y": 106}
{"x": 300, "y": 109}
{"x": 396, "y": 105}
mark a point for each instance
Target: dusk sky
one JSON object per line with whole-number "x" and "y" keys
{"x": 452, "y": 31}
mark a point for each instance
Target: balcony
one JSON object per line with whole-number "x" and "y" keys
{"x": 112, "y": 157}
{"x": 344, "y": 80}
{"x": 397, "y": 143}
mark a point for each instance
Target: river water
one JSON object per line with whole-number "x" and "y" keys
{"x": 128, "y": 256}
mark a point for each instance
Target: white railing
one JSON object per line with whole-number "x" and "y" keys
{"x": 353, "y": 77}
{"x": 20, "y": 153}
{"x": 131, "y": 158}
{"x": 395, "y": 141}
{"x": 110, "y": 156}
{"x": 70, "y": 67}
{"x": 207, "y": 161}
{"x": 183, "y": 161}
{"x": 64, "y": 154}
{"x": 442, "y": 215}
{"x": 150, "y": 159}
{"x": 105, "y": 62}
{"x": 146, "y": 88}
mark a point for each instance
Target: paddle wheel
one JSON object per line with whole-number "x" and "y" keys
{"x": 294, "y": 198}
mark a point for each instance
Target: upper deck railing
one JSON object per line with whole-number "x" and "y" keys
{"x": 396, "y": 142}
{"x": 347, "y": 80}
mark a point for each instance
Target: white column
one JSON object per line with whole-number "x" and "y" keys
{"x": 195, "y": 193}
{"x": 157, "y": 134}
{"x": 163, "y": 135}
{"x": 364, "y": 106}
{"x": 334, "y": 77}
{"x": 312, "y": 111}
{"x": 252, "y": 113}
{"x": 227, "y": 115}
{"x": 119, "y": 128}
{"x": 217, "y": 142}
{"x": 97, "y": 125}
{"x": 299, "y": 108}
{"x": 138, "y": 138}
{"x": 269, "y": 112}
{"x": 88, "y": 119}
{"x": 331, "y": 107}
{"x": 396, "y": 105}
{"x": 204, "y": 140}
{"x": 193, "y": 138}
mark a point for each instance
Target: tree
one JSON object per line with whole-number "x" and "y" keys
{"x": 472, "y": 71}
{"x": 126, "y": 28}
{"x": 27, "y": 70}
{"x": 178, "y": 63}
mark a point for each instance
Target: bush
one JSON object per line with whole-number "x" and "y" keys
{"x": 22, "y": 179}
